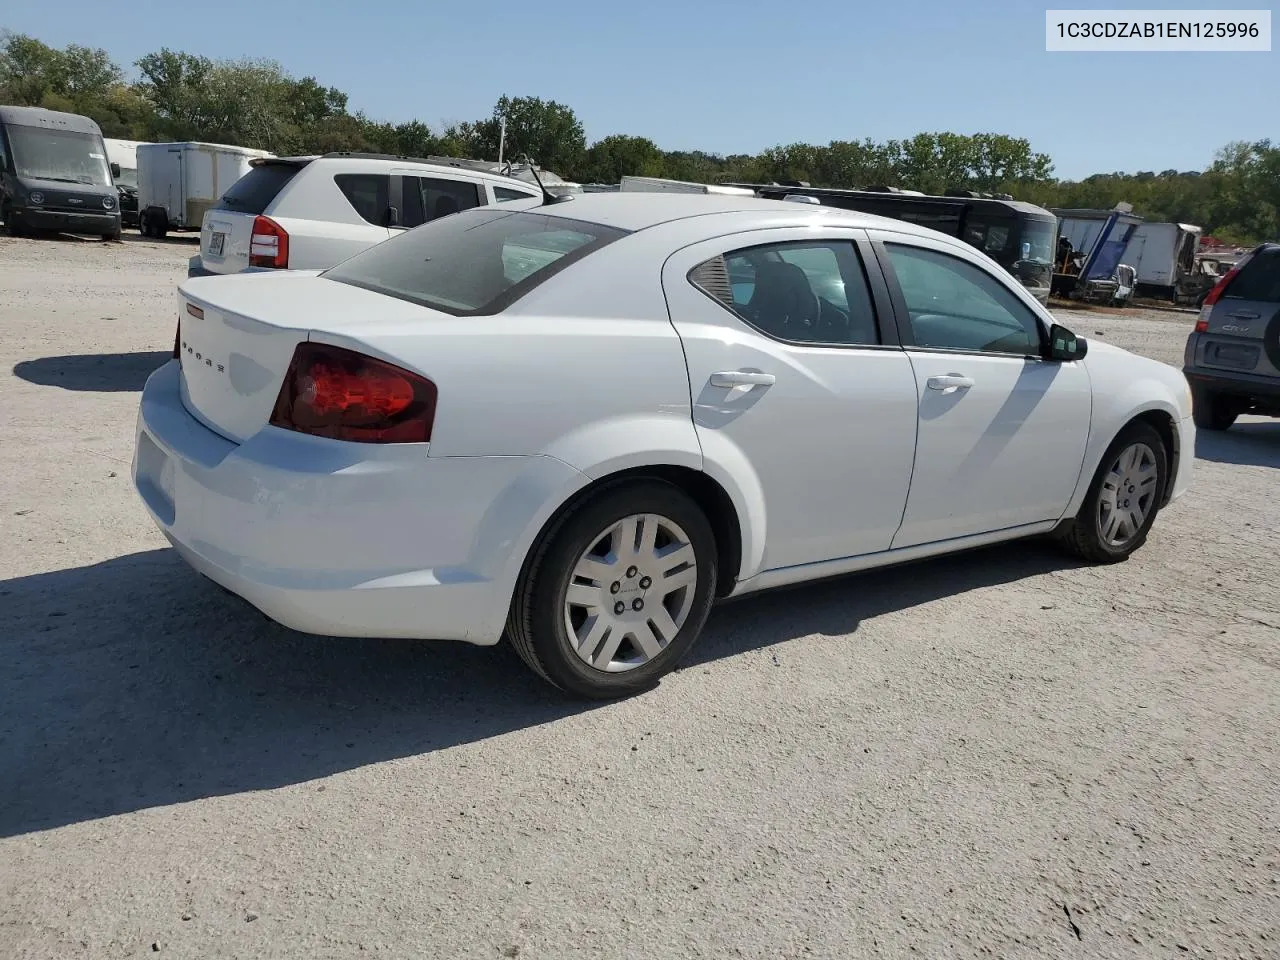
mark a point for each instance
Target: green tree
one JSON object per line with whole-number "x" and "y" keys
{"x": 547, "y": 131}
{"x": 618, "y": 156}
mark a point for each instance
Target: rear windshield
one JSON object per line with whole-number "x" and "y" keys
{"x": 476, "y": 262}
{"x": 254, "y": 192}
{"x": 1259, "y": 280}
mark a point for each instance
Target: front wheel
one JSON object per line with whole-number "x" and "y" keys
{"x": 617, "y": 592}
{"x": 1123, "y": 499}
{"x": 12, "y": 225}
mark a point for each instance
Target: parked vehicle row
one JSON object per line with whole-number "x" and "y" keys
{"x": 578, "y": 424}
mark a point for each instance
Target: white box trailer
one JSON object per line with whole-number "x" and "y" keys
{"x": 1164, "y": 254}
{"x": 178, "y": 182}
{"x": 658, "y": 185}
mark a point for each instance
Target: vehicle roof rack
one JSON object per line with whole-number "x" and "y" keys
{"x": 482, "y": 166}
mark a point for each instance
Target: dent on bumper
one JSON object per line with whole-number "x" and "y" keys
{"x": 343, "y": 539}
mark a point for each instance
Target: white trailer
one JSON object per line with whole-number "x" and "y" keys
{"x": 178, "y": 182}
{"x": 1164, "y": 254}
{"x": 658, "y": 185}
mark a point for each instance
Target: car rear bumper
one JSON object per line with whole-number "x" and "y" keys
{"x": 1231, "y": 383}
{"x": 340, "y": 539}
{"x": 196, "y": 268}
{"x": 38, "y": 218}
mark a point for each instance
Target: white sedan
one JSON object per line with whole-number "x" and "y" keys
{"x": 578, "y": 425}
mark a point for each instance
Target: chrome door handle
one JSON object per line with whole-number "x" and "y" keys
{"x": 950, "y": 383}
{"x": 738, "y": 378}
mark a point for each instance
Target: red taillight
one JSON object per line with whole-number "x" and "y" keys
{"x": 1214, "y": 295}
{"x": 269, "y": 244}
{"x": 333, "y": 392}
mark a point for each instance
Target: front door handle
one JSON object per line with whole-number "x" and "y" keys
{"x": 739, "y": 378}
{"x": 950, "y": 383}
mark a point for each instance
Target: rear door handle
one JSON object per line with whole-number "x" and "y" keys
{"x": 738, "y": 378}
{"x": 950, "y": 383}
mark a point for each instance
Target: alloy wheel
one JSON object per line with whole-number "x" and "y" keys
{"x": 630, "y": 592}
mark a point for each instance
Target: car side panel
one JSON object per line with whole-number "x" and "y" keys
{"x": 323, "y": 227}
{"x": 1124, "y": 387}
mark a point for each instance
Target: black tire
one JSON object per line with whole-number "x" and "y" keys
{"x": 1083, "y": 536}
{"x": 536, "y": 623}
{"x": 1211, "y": 411}
{"x": 12, "y": 225}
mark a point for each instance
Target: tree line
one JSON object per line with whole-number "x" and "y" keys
{"x": 183, "y": 96}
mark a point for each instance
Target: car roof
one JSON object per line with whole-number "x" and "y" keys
{"x": 379, "y": 161}
{"x": 640, "y": 210}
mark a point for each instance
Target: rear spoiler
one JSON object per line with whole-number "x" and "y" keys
{"x": 282, "y": 161}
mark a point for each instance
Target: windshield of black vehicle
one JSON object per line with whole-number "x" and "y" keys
{"x": 128, "y": 178}
{"x": 44, "y": 154}
{"x": 476, "y": 262}
{"x": 1037, "y": 240}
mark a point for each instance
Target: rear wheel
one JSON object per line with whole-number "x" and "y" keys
{"x": 1212, "y": 411}
{"x": 617, "y": 592}
{"x": 1123, "y": 499}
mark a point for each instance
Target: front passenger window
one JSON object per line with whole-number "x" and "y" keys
{"x": 955, "y": 305}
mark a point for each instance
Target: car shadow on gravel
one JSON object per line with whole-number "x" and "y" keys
{"x": 135, "y": 683}
{"x": 94, "y": 372}
{"x": 1250, "y": 444}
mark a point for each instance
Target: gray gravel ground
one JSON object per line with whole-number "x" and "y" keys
{"x": 1001, "y": 754}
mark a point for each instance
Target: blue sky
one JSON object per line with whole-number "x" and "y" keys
{"x": 728, "y": 77}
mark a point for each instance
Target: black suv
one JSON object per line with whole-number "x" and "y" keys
{"x": 1232, "y": 359}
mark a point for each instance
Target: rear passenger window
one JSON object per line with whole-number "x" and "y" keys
{"x": 368, "y": 194}
{"x": 803, "y": 292}
{"x": 429, "y": 198}
{"x": 505, "y": 193}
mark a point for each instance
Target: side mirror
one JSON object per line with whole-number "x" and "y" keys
{"x": 1065, "y": 345}
{"x": 115, "y": 170}
{"x": 392, "y": 217}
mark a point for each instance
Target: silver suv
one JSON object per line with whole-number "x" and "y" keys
{"x": 1232, "y": 359}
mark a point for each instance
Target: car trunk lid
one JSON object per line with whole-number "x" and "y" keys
{"x": 237, "y": 336}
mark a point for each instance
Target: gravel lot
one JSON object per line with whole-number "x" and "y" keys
{"x": 1000, "y": 754}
